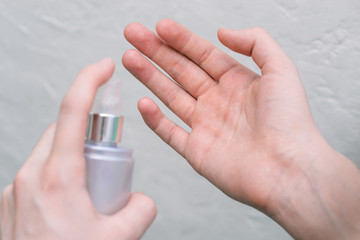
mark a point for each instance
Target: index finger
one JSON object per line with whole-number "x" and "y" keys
{"x": 72, "y": 120}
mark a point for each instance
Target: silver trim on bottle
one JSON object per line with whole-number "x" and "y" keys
{"x": 104, "y": 128}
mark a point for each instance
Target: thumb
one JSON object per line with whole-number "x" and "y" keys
{"x": 135, "y": 218}
{"x": 257, "y": 43}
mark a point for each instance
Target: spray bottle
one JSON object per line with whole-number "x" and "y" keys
{"x": 109, "y": 167}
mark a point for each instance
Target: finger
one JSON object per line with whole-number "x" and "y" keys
{"x": 180, "y": 68}
{"x": 72, "y": 120}
{"x": 210, "y": 58}
{"x": 6, "y": 199}
{"x": 172, "y": 95}
{"x": 7, "y": 213}
{"x": 41, "y": 151}
{"x": 167, "y": 130}
{"x": 133, "y": 220}
{"x": 258, "y": 44}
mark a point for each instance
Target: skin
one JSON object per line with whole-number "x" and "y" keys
{"x": 48, "y": 199}
{"x": 252, "y": 136}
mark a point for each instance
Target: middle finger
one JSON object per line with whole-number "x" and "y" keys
{"x": 195, "y": 80}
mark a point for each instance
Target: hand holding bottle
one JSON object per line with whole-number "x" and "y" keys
{"x": 49, "y": 199}
{"x": 252, "y": 135}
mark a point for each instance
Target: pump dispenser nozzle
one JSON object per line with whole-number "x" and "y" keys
{"x": 108, "y": 98}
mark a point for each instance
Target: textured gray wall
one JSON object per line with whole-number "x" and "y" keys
{"x": 44, "y": 43}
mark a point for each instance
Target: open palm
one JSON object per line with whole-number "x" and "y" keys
{"x": 243, "y": 125}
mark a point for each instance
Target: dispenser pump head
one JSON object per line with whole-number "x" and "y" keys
{"x": 104, "y": 128}
{"x": 105, "y": 122}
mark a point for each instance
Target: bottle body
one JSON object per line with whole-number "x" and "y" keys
{"x": 108, "y": 175}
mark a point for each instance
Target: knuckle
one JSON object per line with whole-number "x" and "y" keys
{"x": 202, "y": 86}
{"x": 260, "y": 31}
{"x": 172, "y": 134}
{"x": 205, "y": 55}
{"x": 20, "y": 181}
{"x": 68, "y": 105}
{"x": 171, "y": 97}
{"x": 178, "y": 69}
{"x": 57, "y": 179}
{"x": 188, "y": 115}
{"x": 50, "y": 180}
{"x": 51, "y": 185}
{"x": 6, "y": 193}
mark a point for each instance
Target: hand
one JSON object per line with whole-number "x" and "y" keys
{"x": 252, "y": 135}
{"x": 49, "y": 199}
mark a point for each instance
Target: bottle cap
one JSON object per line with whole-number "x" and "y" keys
{"x": 104, "y": 127}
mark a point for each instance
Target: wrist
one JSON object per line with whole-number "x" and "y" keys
{"x": 317, "y": 192}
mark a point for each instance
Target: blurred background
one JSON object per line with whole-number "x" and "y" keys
{"x": 44, "y": 43}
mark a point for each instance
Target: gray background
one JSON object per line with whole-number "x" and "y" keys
{"x": 44, "y": 44}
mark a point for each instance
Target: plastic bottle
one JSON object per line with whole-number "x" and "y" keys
{"x": 109, "y": 167}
